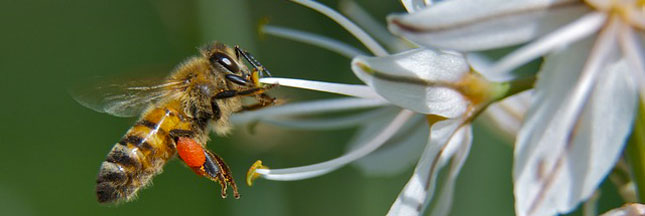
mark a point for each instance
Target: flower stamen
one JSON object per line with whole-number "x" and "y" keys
{"x": 304, "y": 172}
{"x": 360, "y": 91}
{"x": 313, "y": 39}
{"x": 251, "y": 175}
{"x": 361, "y": 35}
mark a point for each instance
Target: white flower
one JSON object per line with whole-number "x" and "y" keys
{"x": 585, "y": 98}
{"x": 441, "y": 86}
{"x": 424, "y": 84}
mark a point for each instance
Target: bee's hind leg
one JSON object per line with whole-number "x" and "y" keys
{"x": 218, "y": 171}
{"x": 206, "y": 164}
{"x": 225, "y": 179}
{"x": 222, "y": 182}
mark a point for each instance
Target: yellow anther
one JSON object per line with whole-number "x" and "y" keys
{"x": 260, "y": 28}
{"x": 251, "y": 174}
{"x": 255, "y": 77}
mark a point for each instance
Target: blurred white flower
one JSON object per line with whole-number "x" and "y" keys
{"x": 418, "y": 84}
{"x": 506, "y": 116}
{"x": 632, "y": 209}
{"x": 585, "y": 99}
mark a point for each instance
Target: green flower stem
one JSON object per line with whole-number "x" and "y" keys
{"x": 636, "y": 153}
{"x": 518, "y": 86}
{"x": 507, "y": 89}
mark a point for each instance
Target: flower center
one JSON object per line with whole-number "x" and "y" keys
{"x": 631, "y": 11}
{"x": 476, "y": 88}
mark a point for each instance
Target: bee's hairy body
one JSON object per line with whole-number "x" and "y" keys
{"x": 202, "y": 98}
{"x": 141, "y": 153}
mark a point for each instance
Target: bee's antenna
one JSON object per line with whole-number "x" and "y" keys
{"x": 254, "y": 62}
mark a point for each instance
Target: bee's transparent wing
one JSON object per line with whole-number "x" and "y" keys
{"x": 123, "y": 99}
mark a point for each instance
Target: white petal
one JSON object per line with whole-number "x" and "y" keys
{"x": 414, "y": 5}
{"x": 444, "y": 202}
{"x": 507, "y": 115}
{"x": 418, "y": 80}
{"x": 479, "y": 62}
{"x": 634, "y": 52}
{"x": 469, "y": 25}
{"x": 580, "y": 28}
{"x": 406, "y": 146}
{"x": 604, "y": 129}
{"x": 555, "y": 167}
{"x": 560, "y": 72}
{"x": 446, "y": 138}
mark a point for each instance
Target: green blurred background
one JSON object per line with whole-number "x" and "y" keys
{"x": 52, "y": 146}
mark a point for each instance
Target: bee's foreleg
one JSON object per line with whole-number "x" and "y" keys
{"x": 238, "y": 80}
{"x": 217, "y": 113}
{"x": 264, "y": 100}
{"x": 225, "y": 94}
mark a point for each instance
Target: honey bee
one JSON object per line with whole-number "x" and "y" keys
{"x": 177, "y": 115}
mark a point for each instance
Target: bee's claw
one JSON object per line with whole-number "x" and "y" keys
{"x": 236, "y": 194}
{"x": 222, "y": 182}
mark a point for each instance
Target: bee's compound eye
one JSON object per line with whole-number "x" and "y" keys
{"x": 225, "y": 61}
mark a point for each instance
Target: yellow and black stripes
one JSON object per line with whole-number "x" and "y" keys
{"x": 147, "y": 123}
{"x": 137, "y": 141}
{"x": 121, "y": 157}
{"x": 141, "y": 153}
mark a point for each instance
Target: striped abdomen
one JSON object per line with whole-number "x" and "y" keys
{"x": 140, "y": 155}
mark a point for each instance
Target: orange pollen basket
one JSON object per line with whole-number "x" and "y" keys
{"x": 191, "y": 152}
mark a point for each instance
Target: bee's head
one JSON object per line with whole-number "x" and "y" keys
{"x": 224, "y": 58}
{"x": 229, "y": 62}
